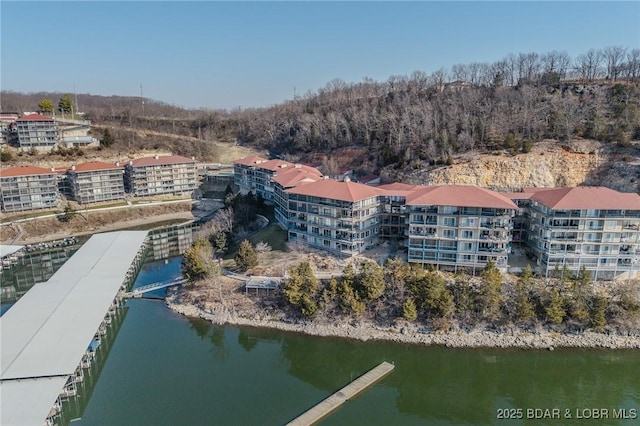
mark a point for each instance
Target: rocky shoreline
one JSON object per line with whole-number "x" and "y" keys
{"x": 413, "y": 334}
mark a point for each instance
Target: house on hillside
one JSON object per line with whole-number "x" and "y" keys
{"x": 95, "y": 182}
{"x": 158, "y": 175}
{"x": 25, "y": 188}
{"x": 74, "y": 133}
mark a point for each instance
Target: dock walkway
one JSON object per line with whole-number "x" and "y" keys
{"x": 332, "y": 403}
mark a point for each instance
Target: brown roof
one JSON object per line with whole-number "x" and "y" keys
{"x": 250, "y": 161}
{"x": 587, "y": 197}
{"x": 25, "y": 171}
{"x": 297, "y": 176}
{"x": 156, "y": 160}
{"x": 92, "y": 166}
{"x": 459, "y": 196}
{"x": 35, "y": 117}
{"x": 518, "y": 195}
{"x": 336, "y": 190}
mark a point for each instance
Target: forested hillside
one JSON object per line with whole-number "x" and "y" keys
{"x": 409, "y": 121}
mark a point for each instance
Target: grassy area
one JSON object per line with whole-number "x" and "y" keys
{"x": 29, "y": 215}
{"x": 104, "y": 206}
{"x": 275, "y": 236}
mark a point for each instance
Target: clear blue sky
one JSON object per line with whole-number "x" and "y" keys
{"x": 244, "y": 54}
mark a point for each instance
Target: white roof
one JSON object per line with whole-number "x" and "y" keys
{"x": 6, "y": 250}
{"x": 48, "y": 330}
{"x": 28, "y": 402}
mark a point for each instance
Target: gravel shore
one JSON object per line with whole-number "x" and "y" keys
{"x": 413, "y": 333}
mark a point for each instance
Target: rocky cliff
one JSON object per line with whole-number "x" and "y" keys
{"x": 550, "y": 165}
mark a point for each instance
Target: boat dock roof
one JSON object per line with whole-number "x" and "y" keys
{"x": 46, "y": 333}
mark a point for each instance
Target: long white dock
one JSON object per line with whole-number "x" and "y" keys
{"x": 47, "y": 332}
{"x": 332, "y": 403}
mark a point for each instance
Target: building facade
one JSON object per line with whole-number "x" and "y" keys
{"x": 36, "y": 131}
{"x": 454, "y": 227}
{"x": 592, "y": 227}
{"x": 459, "y": 227}
{"x": 96, "y": 182}
{"x": 26, "y": 188}
{"x": 339, "y": 217}
{"x": 168, "y": 175}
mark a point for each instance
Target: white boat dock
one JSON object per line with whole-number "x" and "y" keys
{"x": 47, "y": 332}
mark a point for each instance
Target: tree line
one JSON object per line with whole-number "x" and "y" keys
{"x": 416, "y": 119}
{"x": 399, "y": 290}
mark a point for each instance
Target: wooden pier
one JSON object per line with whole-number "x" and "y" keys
{"x": 335, "y": 401}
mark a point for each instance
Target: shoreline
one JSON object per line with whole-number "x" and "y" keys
{"x": 411, "y": 334}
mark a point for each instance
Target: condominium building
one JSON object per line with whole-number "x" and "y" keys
{"x": 28, "y": 188}
{"x": 95, "y": 182}
{"x": 254, "y": 174}
{"x": 459, "y": 226}
{"x": 339, "y": 217}
{"x": 453, "y": 227}
{"x": 175, "y": 175}
{"x": 594, "y": 227}
{"x": 36, "y": 131}
{"x": 290, "y": 178}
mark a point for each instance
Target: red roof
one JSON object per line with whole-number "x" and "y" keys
{"x": 459, "y": 196}
{"x": 398, "y": 186}
{"x": 586, "y": 197}
{"x": 157, "y": 161}
{"x": 93, "y": 166}
{"x": 275, "y": 165}
{"x": 336, "y": 190}
{"x": 25, "y": 171}
{"x": 35, "y": 117}
{"x": 250, "y": 161}
{"x": 297, "y": 176}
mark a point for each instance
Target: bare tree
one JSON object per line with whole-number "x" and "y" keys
{"x": 588, "y": 64}
{"x": 633, "y": 64}
{"x": 614, "y": 56}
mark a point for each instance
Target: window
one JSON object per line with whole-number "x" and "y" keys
{"x": 467, "y": 234}
{"x": 449, "y": 221}
{"x": 449, "y": 233}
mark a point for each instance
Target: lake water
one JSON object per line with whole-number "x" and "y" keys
{"x": 165, "y": 369}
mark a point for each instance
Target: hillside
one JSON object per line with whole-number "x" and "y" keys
{"x": 415, "y": 129}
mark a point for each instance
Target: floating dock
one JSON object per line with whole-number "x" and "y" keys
{"x": 348, "y": 392}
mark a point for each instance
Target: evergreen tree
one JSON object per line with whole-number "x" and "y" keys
{"x": 246, "y": 257}
{"x": 300, "y": 289}
{"x": 554, "y": 307}
{"x": 409, "y": 311}
{"x": 370, "y": 282}
{"x": 65, "y": 105}
{"x": 491, "y": 292}
{"x": 107, "y": 139}
{"x": 198, "y": 262}
{"x": 599, "y": 312}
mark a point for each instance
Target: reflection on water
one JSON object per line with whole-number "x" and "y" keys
{"x": 165, "y": 369}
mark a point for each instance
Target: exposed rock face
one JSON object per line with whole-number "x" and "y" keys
{"x": 555, "y": 167}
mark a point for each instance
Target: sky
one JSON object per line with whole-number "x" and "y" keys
{"x": 251, "y": 54}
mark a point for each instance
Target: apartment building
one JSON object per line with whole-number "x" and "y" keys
{"x": 25, "y": 188}
{"x": 594, "y": 227}
{"x": 459, "y": 226}
{"x": 95, "y": 182}
{"x": 337, "y": 216}
{"x": 255, "y": 175}
{"x": 36, "y": 131}
{"x": 157, "y": 175}
{"x": 290, "y": 178}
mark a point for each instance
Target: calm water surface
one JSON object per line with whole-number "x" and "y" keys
{"x": 165, "y": 369}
